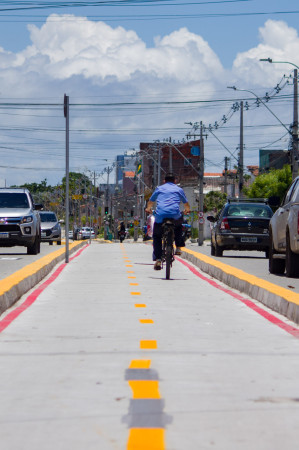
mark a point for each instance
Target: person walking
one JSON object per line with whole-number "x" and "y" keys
{"x": 168, "y": 198}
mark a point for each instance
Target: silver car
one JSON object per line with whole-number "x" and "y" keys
{"x": 86, "y": 233}
{"x": 50, "y": 227}
{"x": 284, "y": 235}
{"x": 19, "y": 220}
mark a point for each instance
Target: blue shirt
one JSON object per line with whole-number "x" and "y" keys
{"x": 168, "y": 197}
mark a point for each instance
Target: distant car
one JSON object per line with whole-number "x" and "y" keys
{"x": 284, "y": 234}
{"x": 86, "y": 233}
{"x": 50, "y": 227}
{"x": 71, "y": 234}
{"x": 242, "y": 224}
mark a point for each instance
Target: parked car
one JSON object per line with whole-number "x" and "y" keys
{"x": 86, "y": 233}
{"x": 242, "y": 224}
{"x": 50, "y": 227}
{"x": 19, "y": 220}
{"x": 284, "y": 234}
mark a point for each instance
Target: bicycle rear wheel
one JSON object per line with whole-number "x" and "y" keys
{"x": 168, "y": 260}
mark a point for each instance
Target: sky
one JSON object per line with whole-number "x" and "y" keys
{"x": 141, "y": 71}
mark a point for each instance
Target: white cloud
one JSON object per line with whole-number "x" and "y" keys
{"x": 279, "y": 42}
{"x": 70, "y": 46}
{"x": 92, "y": 60}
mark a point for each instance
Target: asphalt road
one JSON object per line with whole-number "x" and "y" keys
{"x": 252, "y": 262}
{"x": 109, "y": 355}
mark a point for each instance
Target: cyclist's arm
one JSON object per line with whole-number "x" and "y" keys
{"x": 149, "y": 208}
{"x": 186, "y": 208}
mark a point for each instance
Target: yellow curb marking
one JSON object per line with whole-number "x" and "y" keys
{"x": 129, "y": 265}
{"x": 145, "y": 388}
{"x": 135, "y": 293}
{"x": 140, "y": 364}
{"x": 134, "y": 284}
{"x": 7, "y": 283}
{"x": 130, "y": 271}
{"x": 288, "y": 295}
{"x": 140, "y": 305}
{"x": 132, "y": 277}
{"x": 146, "y": 439}
{"x": 146, "y": 321}
{"x": 148, "y": 344}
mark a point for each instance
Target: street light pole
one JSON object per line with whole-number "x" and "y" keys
{"x": 201, "y": 194}
{"x": 295, "y": 141}
{"x": 241, "y": 156}
{"x": 295, "y": 126}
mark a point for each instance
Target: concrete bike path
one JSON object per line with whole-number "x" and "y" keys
{"x": 110, "y": 355}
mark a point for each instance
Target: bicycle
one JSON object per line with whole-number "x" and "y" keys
{"x": 167, "y": 245}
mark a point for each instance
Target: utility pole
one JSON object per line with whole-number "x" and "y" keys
{"x": 159, "y": 165}
{"x": 106, "y": 226}
{"x": 225, "y": 174}
{"x": 201, "y": 195}
{"x": 67, "y": 170}
{"x": 294, "y": 158}
{"x": 170, "y": 157}
{"x": 241, "y": 158}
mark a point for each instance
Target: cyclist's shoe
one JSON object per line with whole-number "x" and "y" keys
{"x": 157, "y": 265}
{"x": 178, "y": 251}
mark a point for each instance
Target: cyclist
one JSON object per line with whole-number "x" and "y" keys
{"x": 168, "y": 197}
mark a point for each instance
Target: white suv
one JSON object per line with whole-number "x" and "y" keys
{"x": 284, "y": 235}
{"x": 19, "y": 220}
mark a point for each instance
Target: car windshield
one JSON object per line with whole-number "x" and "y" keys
{"x": 13, "y": 200}
{"x": 48, "y": 217}
{"x": 247, "y": 210}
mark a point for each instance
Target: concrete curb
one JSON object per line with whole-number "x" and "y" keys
{"x": 277, "y": 298}
{"x": 20, "y": 282}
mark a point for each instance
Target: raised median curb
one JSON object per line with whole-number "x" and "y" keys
{"x": 277, "y": 298}
{"x": 20, "y": 282}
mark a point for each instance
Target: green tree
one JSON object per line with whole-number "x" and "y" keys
{"x": 214, "y": 201}
{"x": 36, "y": 188}
{"x": 275, "y": 182}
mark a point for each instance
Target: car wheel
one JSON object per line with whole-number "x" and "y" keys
{"x": 34, "y": 249}
{"x": 58, "y": 242}
{"x": 218, "y": 250}
{"x": 292, "y": 260}
{"x": 212, "y": 249}
{"x": 267, "y": 254}
{"x": 276, "y": 266}
{"x": 51, "y": 243}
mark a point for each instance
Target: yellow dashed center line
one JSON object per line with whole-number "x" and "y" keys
{"x": 146, "y": 439}
{"x": 143, "y": 438}
{"x": 148, "y": 344}
{"x": 145, "y": 388}
{"x": 140, "y": 364}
